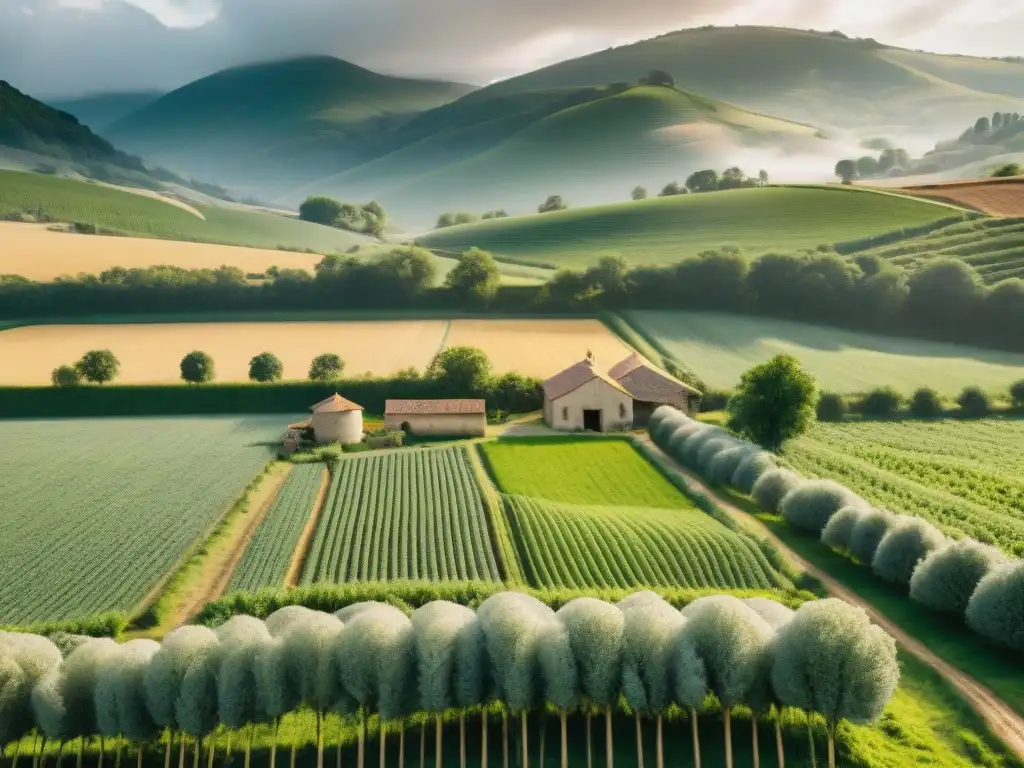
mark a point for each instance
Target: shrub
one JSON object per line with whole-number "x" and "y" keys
{"x": 675, "y": 443}
{"x": 326, "y": 367}
{"x": 831, "y": 407}
{"x": 906, "y": 544}
{"x": 881, "y": 403}
{"x": 868, "y": 533}
{"x": 925, "y": 404}
{"x": 723, "y": 466}
{"x": 751, "y": 469}
{"x": 664, "y": 422}
{"x": 1017, "y": 394}
{"x": 98, "y": 366}
{"x": 692, "y": 447}
{"x": 265, "y": 367}
{"x": 65, "y": 376}
{"x": 974, "y": 404}
{"x": 709, "y": 450}
{"x": 996, "y": 609}
{"x": 839, "y": 530}
{"x": 773, "y": 486}
{"x": 197, "y": 367}
{"x": 946, "y": 579}
{"x": 714, "y": 400}
{"x": 812, "y": 504}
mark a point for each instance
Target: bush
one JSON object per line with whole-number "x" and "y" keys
{"x": 709, "y": 450}
{"x": 974, "y": 404}
{"x": 831, "y": 407}
{"x": 996, "y": 609}
{"x": 326, "y": 367}
{"x": 1008, "y": 170}
{"x": 723, "y": 466}
{"x": 265, "y": 367}
{"x": 691, "y": 451}
{"x": 839, "y": 530}
{"x": 98, "y": 366}
{"x": 751, "y": 469}
{"x": 906, "y": 544}
{"x": 773, "y": 486}
{"x": 65, "y": 376}
{"x": 663, "y": 423}
{"x": 714, "y": 400}
{"x": 1017, "y": 394}
{"x": 868, "y": 533}
{"x": 881, "y": 403}
{"x": 811, "y": 505}
{"x": 925, "y": 404}
{"x": 675, "y": 443}
{"x": 197, "y": 368}
{"x": 946, "y": 579}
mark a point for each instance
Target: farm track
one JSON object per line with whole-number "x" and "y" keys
{"x": 291, "y": 578}
{"x": 997, "y": 714}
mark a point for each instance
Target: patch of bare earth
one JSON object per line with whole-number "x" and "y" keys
{"x": 291, "y": 578}
{"x": 996, "y": 197}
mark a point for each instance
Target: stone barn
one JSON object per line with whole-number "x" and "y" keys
{"x": 582, "y": 397}
{"x": 651, "y": 387}
{"x": 454, "y": 418}
{"x": 337, "y": 420}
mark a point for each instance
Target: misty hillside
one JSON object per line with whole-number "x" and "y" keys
{"x": 827, "y": 79}
{"x": 275, "y": 124}
{"x": 588, "y": 145}
{"x": 102, "y": 110}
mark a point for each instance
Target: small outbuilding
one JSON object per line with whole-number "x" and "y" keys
{"x": 651, "y": 387}
{"x": 455, "y": 418}
{"x": 337, "y": 420}
{"x": 582, "y": 397}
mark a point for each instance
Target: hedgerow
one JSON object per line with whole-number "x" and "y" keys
{"x": 905, "y": 545}
{"x": 810, "y": 505}
{"x": 996, "y": 609}
{"x": 946, "y": 579}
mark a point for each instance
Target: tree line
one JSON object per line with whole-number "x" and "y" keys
{"x": 924, "y": 403}
{"x": 588, "y": 657}
{"x": 367, "y": 219}
{"x": 944, "y": 300}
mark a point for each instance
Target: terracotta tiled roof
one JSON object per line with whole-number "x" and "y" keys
{"x": 646, "y": 381}
{"x": 335, "y": 404}
{"x": 300, "y": 425}
{"x": 628, "y": 365}
{"x": 574, "y": 377}
{"x": 433, "y": 407}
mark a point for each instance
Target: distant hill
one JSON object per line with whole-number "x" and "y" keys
{"x": 825, "y": 78}
{"x": 589, "y": 145}
{"x": 272, "y": 125}
{"x": 102, "y": 110}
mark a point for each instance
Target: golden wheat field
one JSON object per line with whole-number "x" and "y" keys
{"x": 32, "y": 251}
{"x": 151, "y": 353}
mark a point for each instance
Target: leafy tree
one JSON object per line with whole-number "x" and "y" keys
{"x": 1017, "y": 394}
{"x": 553, "y": 203}
{"x": 867, "y": 166}
{"x": 732, "y": 178}
{"x": 846, "y": 170}
{"x": 982, "y": 126}
{"x": 946, "y": 578}
{"x": 907, "y": 543}
{"x": 925, "y": 404}
{"x": 320, "y": 210}
{"x": 265, "y": 367}
{"x": 375, "y": 208}
{"x": 98, "y": 366}
{"x": 839, "y": 529}
{"x": 881, "y": 403}
{"x": 475, "y": 278}
{"x": 671, "y": 189}
{"x": 831, "y": 407}
{"x": 1007, "y": 170}
{"x": 65, "y": 376}
{"x": 453, "y": 219}
{"x": 658, "y": 77}
{"x": 868, "y": 533}
{"x": 465, "y": 369}
{"x": 197, "y": 367}
{"x": 561, "y": 676}
{"x": 639, "y": 193}
{"x": 762, "y": 178}
{"x": 25, "y": 660}
{"x": 120, "y": 695}
{"x": 774, "y": 402}
{"x": 996, "y": 609}
{"x": 326, "y": 367}
{"x": 501, "y": 213}
{"x": 974, "y": 403}
{"x": 703, "y": 181}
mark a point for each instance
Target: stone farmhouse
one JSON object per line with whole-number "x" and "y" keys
{"x": 454, "y": 418}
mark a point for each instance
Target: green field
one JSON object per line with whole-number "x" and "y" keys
{"x": 602, "y": 472}
{"x": 575, "y": 547}
{"x": 96, "y": 511}
{"x": 270, "y": 552}
{"x": 131, "y": 214}
{"x": 720, "y": 347}
{"x": 412, "y": 514}
{"x": 967, "y": 477}
{"x": 994, "y": 247}
{"x": 665, "y": 230}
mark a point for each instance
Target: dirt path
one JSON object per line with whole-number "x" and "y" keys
{"x": 291, "y": 578}
{"x": 1004, "y": 721}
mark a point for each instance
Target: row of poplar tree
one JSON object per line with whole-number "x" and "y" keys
{"x": 588, "y": 657}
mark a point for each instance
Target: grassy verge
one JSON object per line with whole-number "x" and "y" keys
{"x": 497, "y": 519}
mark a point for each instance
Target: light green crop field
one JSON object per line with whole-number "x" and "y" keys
{"x": 576, "y": 546}
{"x": 269, "y": 554}
{"x": 720, "y": 347}
{"x": 412, "y": 514}
{"x": 96, "y": 511}
{"x": 967, "y": 477}
{"x": 594, "y": 471}
{"x": 664, "y": 230}
{"x": 69, "y": 200}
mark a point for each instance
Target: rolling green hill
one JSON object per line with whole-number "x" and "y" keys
{"x": 266, "y": 125}
{"x": 802, "y": 75}
{"x": 588, "y": 145}
{"x": 102, "y": 110}
{"x": 665, "y": 230}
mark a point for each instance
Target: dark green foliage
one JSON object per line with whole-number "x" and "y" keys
{"x": 831, "y": 407}
{"x": 98, "y": 366}
{"x": 671, "y": 189}
{"x": 996, "y": 609}
{"x": 1017, "y": 394}
{"x": 774, "y": 402}
{"x": 846, "y": 170}
{"x": 638, "y": 193}
{"x": 65, "y": 376}
{"x": 463, "y": 368}
{"x": 326, "y": 367}
{"x": 946, "y": 579}
{"x": 906, "y": 544}
{"x": 320, "y": 209}
{"x": 813, "y": 503}
{"x": 368, "y": 219}
{"x": 453, "y": 219}
{"x": 1007, "y": 170}
{"x": 881, "y": 403}
{"x": 974, "y": 403}
{"x": 868, "y": 533}
{"x": 265, "y": 367}
{"x": 197, "y": 368}
{"x": 703, "y": 181}
{"x": 475, "y": 279}
{"x": 553, "y": 203}
{"x": 925, "y": 404}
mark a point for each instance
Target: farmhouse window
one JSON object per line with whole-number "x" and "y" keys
{"x": 622, "y": 410}
{"x": 565, "y": 413}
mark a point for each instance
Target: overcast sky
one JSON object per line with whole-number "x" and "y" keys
{"x": 70, "y": 47}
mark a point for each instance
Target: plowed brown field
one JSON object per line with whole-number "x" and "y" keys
{"x": 996, "y": 197}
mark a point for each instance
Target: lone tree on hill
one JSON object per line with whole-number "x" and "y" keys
{"x": 475, "y": 278}
{"x": 265, "y": 367}
{"x": 320, "y": 209}
{"x": 846, "y": 170}
{"x": 553, "y": 203}
{"x": 65, "y": 376}
{"x": 326, "y": 367}
{"x": 774, "y": 402}
{"x": 98, "y": 366}
{"x": 639, "y": 193}
{"x": 197, "y": 367}
{"x": 465, "y": 369}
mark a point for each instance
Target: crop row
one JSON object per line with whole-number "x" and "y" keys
{"x": 270, "y": 553}
{"x": 570, "y": 546}
{"x": 403, "y": 515}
